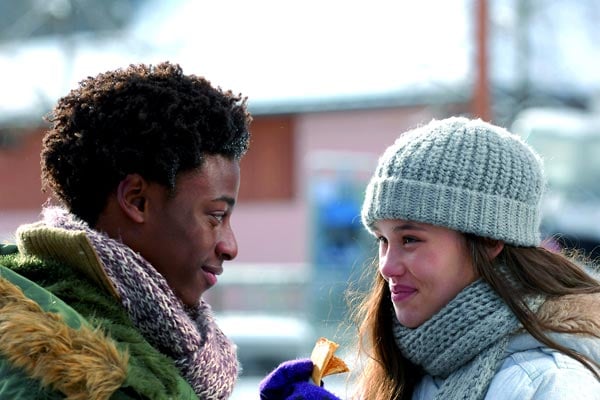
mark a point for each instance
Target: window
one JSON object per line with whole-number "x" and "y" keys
{"x": 268, "y": 167}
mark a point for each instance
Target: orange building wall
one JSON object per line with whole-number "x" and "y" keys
{"x": 20, "y": 172}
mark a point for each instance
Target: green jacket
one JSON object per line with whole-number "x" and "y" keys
{"x": 64, "y": 336}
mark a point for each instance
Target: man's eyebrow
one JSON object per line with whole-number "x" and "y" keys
{"x": 227, "y": 199}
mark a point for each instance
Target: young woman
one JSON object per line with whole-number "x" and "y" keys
{"x": 465, "y": 303}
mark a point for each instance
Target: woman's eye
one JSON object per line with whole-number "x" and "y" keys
{"x": 381, "y": 239}
{"x": 408, "y": 240}
{"x": 219, "y": 217}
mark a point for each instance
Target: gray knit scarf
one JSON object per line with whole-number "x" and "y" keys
{"x": 464, "y": 342}
{"x": 205, "y": 357}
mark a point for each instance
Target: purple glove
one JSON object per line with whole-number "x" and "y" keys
{"x": 290, "y": 381}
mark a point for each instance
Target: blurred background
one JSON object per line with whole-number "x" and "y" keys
{"x": 330, "y": 84}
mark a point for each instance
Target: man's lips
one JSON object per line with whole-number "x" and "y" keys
{"x": 401, "y": 292}
{"x": 213, "y": 269}
{"x": 211, "y": 272}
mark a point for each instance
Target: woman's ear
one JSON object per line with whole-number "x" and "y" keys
{"x": 494, "y": 247}
{"x": 131, "y": 196}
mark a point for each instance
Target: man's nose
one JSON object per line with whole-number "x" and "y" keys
{"x": 227, "y": 247}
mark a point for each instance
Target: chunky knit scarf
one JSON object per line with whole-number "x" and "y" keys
{"x": 205, "y": 357}
{"x": 464, "y": 342}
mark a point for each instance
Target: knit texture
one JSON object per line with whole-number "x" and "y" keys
{"x": 190, "y": 336}
{"x": 464, "y": 342}
{"x": 467, "y": 175}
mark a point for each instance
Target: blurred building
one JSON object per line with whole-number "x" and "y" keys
{"x": 367, "y": 81}
{"x": 385, "y": 68}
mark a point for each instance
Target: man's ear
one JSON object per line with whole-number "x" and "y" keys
{"x": 131, "y": 196}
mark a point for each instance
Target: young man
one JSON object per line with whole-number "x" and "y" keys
{"x": 102, "y": 298}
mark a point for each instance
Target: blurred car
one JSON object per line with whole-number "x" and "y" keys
{"x": 265, "y": 340}
{"x": 569, "y": 142}
{"x": 269, "y": 312}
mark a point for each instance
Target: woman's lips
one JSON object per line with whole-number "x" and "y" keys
{"x": 401, "y": 292}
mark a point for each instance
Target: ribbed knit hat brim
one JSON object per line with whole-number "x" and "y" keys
{"x": 515, "y": 222}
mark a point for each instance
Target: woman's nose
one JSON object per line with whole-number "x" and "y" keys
{"x": 390, "y": 264}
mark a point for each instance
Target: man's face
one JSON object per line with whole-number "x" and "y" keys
{"x": 188, "y": 236}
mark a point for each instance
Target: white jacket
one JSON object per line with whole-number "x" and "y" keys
{"x": 531, "y": 370}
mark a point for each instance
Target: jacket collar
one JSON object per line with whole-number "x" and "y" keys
{"x": 70, "y": 247}
{"x": 570, "y": 312}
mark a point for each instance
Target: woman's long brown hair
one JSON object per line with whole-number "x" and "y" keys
{"x": 387, "y": 375}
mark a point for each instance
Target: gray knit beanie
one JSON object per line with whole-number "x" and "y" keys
{"x": 466, "y": 175}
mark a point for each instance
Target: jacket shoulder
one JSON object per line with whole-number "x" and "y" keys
{"x": 543, "y": 373}
{"x": 93, "y": 319}
{"x": 48, "y": 341}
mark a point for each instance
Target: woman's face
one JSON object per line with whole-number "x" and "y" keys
{"x": 424, "y": 265}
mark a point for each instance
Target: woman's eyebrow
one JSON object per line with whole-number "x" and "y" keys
{"x": 408, "y": 226}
